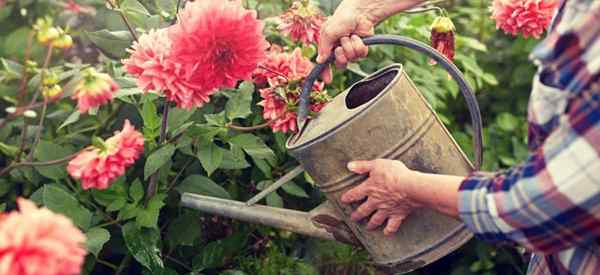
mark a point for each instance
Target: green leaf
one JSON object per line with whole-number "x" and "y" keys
{"x": 128, "y": 211}
{"x": 239, "y": 105}
{"x": 470, "y": 43}
{"x": 234, "y": 159}
{"x": 127, "y": 92}
{"x": 47, "y": 151}
{"x": 60, "y": 201}
{"x": 148, "y": 217}
{"x": 216, "y": 119}
{"x": 202, "y": 185}
{"x": 116, "y": 205}
{"x": 216, "y": 253}
{"x": 8, "y": 150}
{"x": 72, "y": 118}
{"x": 142, "y": 244}
{"x": 507, "y": 122}
{"x": 135, "y": 12}
{"x": 95, "y": 239}
{"x": 115, "y": 192}
{"x": 151, "y": 119}
{"x": 136, "y": 190}
{"x": 253, "y": 146}
{"x": 113, "y": 44}
{"x": 157, "y": 159}
{"x": 295, "y": 190}
{"x": 273, "y": 199}
{"x": 184, "y": 230}
{"x": 210, "y": 156}
{"x": 177, "y": 117}
{"x": 490, "y": 79}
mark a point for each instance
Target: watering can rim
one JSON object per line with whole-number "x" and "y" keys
{"x": 295, "y": 142}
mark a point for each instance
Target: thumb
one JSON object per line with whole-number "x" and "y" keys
{"x": 325, "y": 48}
{"x": 361, "y": 166}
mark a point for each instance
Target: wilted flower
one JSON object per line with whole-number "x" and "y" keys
{"x": 442, "y": 37}
{"x": 217, "y": 43}
{"x": 302, "y": 22}
{"x": 94, "y": 90}
{"x": 528, "y": 17}
{"x": 155, "y": 71}
{"x": 98, "y": 167}
{"x": 35, "y": 241}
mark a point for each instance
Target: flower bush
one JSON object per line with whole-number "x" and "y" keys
{"x": 111, "y": 110}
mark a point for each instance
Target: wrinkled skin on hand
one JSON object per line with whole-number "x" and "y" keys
{"x": 386, "y": 191}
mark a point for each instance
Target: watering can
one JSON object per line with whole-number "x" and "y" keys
{"x": 381, "y": 116}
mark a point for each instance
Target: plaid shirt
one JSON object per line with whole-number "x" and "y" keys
{"x": 550, "y": 204}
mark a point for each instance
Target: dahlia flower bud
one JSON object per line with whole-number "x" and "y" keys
{"x": 64, "y": 41}
{"x": 46, "y": 33}
{"x": 528, "y": 17}
{"x": 52, "y": 92}
{"x": 37, "y": 241}
{"x": 302, "y": 22}
{"x": 99, "y": 165}
{"x": 442, "y": 37}
{"x": 94, "y": 90}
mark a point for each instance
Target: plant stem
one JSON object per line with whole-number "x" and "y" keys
{"x": 114, "y": 267}
{"x": 125, "y": 20}
{"x": 274, "y": 71}
{"x": 153, "y": 185}
{"x": 249, "y": 128}
{"x": 179, "y": 263}
{"x": 40, "y": 163}
{"x": 123, "y": 264}
{"x": 172, "y": 184}
{"x": 23, "y": 84}
{"x": 38, "y": 135}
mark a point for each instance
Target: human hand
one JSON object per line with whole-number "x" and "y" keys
{"x": 387, "y": 193}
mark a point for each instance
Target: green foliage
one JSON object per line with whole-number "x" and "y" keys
{"x": 141, "y": 226}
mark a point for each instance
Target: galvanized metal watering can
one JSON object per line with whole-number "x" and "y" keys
{"x": 381, "y": 116}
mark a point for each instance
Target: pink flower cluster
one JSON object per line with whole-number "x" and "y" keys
{"x": 98, "y": 167}
{"x": 93, "y": 90}
{"x": 528, "y": 17}
{"x": 213, "y": 45}
{"x": 35, "y": 241}
{"x": 302, "y": 22}
{"x": 283, "y": 74}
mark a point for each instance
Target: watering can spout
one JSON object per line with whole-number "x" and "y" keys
{"x": 319, "y": 223}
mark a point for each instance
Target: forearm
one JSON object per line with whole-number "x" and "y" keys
{"x": 438, "y": 192}
{"x": 378, "y": 10}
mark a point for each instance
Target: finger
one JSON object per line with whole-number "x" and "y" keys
{"x": 348, "y": 48}
{"x": 364, "y": 26}
{"x": 340, "y": 58}
{"x": 393, "y": 224}
{"x": 355, "y": 194}
{"x": 360, "y": 49}
{"x": 377, "y": 219}
{"x": 326, "y": 43}
{"x": 363, "y": 211}
{"x": 361, "y": 166}
{"x": 327, "y": 75}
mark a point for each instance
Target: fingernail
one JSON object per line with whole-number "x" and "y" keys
{"x": 319, "y": 59}
{"x": 351, "y": 165}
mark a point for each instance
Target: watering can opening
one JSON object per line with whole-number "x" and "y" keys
{"x": 364, "y": 91}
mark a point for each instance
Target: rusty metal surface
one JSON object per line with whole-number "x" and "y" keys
{"x": 396, "y": 123}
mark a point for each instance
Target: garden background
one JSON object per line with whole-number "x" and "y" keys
{"x": 136, "y": 225}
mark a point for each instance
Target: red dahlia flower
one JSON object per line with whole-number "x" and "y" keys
{"x": 93, "y": 90}
{"x": 35, "y": 241}
{"x": 302, "y": 22}
{"x": 98, "y": 167}
{"x": 442, "y": 37}
{"x": 528, "y": 17}
{"x": 217, "y": 44}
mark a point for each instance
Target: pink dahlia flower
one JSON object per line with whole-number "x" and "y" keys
{"x": 97, "y": 167}
{"x": 93, "y": 90}
{"x": 302, "y": 22}
{"x": 528, "y": 17}
{"x": 150, "y": 62}
{"x": 35, "y": 241}
{"x": 217, "y": 44}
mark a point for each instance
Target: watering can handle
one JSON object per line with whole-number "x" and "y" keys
{"x": 465, "y": 89}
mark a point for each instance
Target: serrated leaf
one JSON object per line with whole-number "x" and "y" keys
{"x": 113, "y": 44}
{"x": 142, "y": 244}
{"x": 234, "y": 158}
{"x": 47, "y": 151}
{"x": 202, "y": 185}
{"x": 115, "y": 192}
{"x": 136, "y": 190}
{"x": 184, "y": 230}
{"x": 135, "y": 12}
{"x": 177, "y": 117}
{"x": 239, "y": 105}
{"x": 215, "y": 253}
{"x": 210, "y": 156}
{"x": 72, "y": 118}
{"x": 60, "y": 201}
{"x": 216, "y": 119}
{"x": 128, "y": 211}
{"x": 148, "y": 216}
{"x": 95, "y": 240}
{"x": 295, "y": 190}
{"x": 116, "y": 205}
{"x": 253, "y": 146}
{"x": 157, "y": 159}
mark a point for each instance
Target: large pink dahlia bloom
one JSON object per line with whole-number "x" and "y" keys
{"x": 528, "y": 17}
{"x": 35, "y": 241}
{"x": 217, "y": 43}
{"x": 97, "y": 167}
